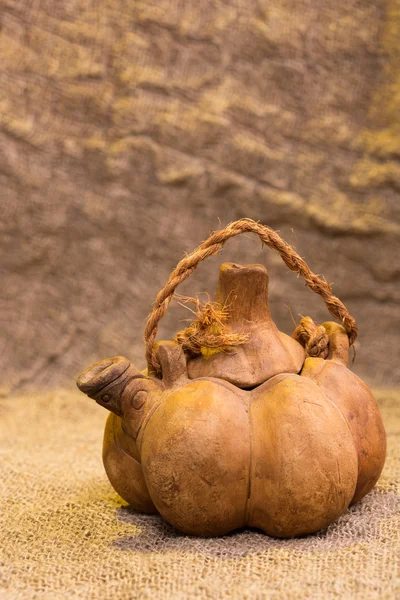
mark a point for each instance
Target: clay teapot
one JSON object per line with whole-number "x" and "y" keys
{"x": 235, "y": 423}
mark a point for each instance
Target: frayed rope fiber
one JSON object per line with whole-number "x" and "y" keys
{"x": 213, "y": 245}
{"x": 208, "y": 334}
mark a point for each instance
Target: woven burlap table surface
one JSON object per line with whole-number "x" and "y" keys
{"x": 66, "y": 534}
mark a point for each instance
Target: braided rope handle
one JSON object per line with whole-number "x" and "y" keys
{"x": 213, "y": 245}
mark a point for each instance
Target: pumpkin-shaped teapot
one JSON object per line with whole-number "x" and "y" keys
{"x": 235, "y": 423}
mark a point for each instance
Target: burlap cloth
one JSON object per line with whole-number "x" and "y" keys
{"x": 65, "y": 533}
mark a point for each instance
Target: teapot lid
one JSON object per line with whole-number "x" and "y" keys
{"x": 266, "y": 351}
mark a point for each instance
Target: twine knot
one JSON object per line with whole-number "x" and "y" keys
{"x": 208, "y": 334}
{"x": 312, "y": 337}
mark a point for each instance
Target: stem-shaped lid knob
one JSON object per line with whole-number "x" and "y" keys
{"x": 243, "y": 290}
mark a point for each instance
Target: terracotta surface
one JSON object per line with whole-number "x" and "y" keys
{"x": 288, "y": 455}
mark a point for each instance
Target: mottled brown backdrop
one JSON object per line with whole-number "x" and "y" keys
{"x": 129, "y": 130}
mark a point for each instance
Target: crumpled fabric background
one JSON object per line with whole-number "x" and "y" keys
{"x": 65, "y": 534}
{"x": 129, "y": 130}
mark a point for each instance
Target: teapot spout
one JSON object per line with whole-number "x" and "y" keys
{"x": 107, "y": 381}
